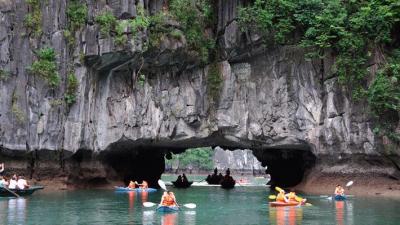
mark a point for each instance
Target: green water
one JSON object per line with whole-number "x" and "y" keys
{"x": 242, "y": 205}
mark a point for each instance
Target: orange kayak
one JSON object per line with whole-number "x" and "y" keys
{"x": 291, "y": 203}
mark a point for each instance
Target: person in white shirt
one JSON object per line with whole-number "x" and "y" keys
{"x": 13, "y": 183}
{"x": 21, "y": 183}
{"x": 3, "y": 182}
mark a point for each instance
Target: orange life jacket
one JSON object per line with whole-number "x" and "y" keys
{"x": 280, "y": 197}
{"x": 168, "y": 201}
{"x": 292, "y": 196}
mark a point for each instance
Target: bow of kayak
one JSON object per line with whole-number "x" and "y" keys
{"x": 280, "y": 204}
{"x": 340, "y": 197}
{"x": 167, "y": 209}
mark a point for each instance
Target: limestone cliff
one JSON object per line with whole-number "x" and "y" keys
{"x": 291, "y": 112}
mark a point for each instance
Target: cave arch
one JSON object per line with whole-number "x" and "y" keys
{"x": 130, "y": 161}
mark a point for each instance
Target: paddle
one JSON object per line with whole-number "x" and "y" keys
{"x": 11, "y": 192}
{"x": 151, "y": 204}
{"x": 162, "y": 185}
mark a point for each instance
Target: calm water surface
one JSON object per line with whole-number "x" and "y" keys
{"x": 242, "y": 205}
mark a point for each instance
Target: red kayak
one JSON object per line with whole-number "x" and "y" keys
{"x": 279, "y": 204}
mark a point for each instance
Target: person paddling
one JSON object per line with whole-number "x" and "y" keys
{"x": 144, "y": 185}
{"x": 132, "y": 184}
{"x": 168, "y": 199}
{"x": 281, "y": 197}
{"x": 292, "y": 197}
{"x": 339, "y": 190}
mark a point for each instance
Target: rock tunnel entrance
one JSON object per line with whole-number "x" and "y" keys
{"x": 286, "y": 167}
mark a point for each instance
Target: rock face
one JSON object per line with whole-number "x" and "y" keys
{"x": 241, "y": 161}
{"x": 271, "y": 100}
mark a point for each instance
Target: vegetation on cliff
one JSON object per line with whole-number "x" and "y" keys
{"x": 354, "y": 32}
{"x": 192, "y": 158}
{"x": 33, "y": 19}
{"x": 46, "y": 66}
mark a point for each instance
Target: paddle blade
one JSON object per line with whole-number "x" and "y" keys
{"x": 308, "y": 204}
{"x": 148, "y": 204}
{"x": 299, "y": 199}
{"x": 278, "y": 189}
{"x": 272, "y": 197}
{"x": 349, "y": 183}
{"x": 162, "y": 184}
{"x": 190, "y": 205}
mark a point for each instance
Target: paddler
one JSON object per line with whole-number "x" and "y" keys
{"x": 144, "y": 185}
{"x": 339, "y": 190}
{"x": 168, "y": 199}
{"x": 281, "y": 197}
{"x": 132, "y": 184}
{"x": 292, "y": 197}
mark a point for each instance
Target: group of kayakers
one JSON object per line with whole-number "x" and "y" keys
{"x": 15, "y": 182}
{"x": 182, "y": 179}
{"x": 216, "y": 178}
{"x": 289, "y": 197}
{"x": 134, "y": 184}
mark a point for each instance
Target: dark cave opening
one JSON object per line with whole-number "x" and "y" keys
{"x": 286, "y": 167}
{"x": 135, "y": 163}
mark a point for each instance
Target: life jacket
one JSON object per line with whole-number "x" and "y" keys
{"x": 168, "y": 201}
{"x": 292, "y": 196}
{"x": 280, "y": 197}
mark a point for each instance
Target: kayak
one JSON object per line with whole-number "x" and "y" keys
{"x": 181, "y": 184}
{"x": 125, "y": 189}
{"x": 21, "y": 192}
{"x": 167, "y": 209}
{"x": 340, "y": 197}
{"x": 279, "y": 204}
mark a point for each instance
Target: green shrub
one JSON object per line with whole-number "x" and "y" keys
{"x": 72, "y": 86}
{"x": 196, "y": 158}
{"x": 16, "y": 110}
{"x": 77, "y": 15}
{"x": 33, "y": 20}
{"x": 141, "y": 22}
{"x": 107, "y": 22}
{"x": 46, "y": 66}
{"x": 351, "y": 30}
{"x": 4, "y": 75}
{"x": 384, "y": 92}
{"x": 195, "y": 17}
{"x": 120, "y": 35}
{"x": 214, "y": 81}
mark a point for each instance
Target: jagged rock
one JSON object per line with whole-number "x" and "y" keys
{"x": 269, "y": 99}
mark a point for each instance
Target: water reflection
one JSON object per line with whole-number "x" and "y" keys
{"x": 190, "y": 217}
{"x": 169, "y": 218}
{"x": 286, "y": 215}
{"x": 148, "y": 217}
{"x": 339, "y": 205}
{"x": 344, "y": 212}
{"x": 145, "y": 196}
{"x": 131, "y": 200}
{"x": 17, "y": 211}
